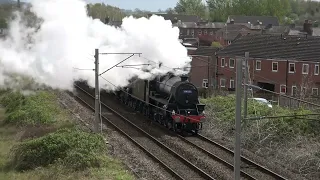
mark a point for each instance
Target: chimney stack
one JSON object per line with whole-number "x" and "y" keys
{"x": 307, "y": 27}
{"x": 184, "y": 77}
{"x": 292, "y": 25}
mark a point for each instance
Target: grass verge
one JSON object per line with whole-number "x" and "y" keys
{"x": 291, "y": 141}
{"x": 38, "y": 141}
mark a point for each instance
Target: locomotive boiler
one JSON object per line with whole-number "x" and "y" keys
{"x": 169, "y": 100}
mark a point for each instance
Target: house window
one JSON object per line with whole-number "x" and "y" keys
{"x": 258, "y": 65}
{"x": 283, "y": 89}
{"x": 305, "y": 68}
{"x": 229, "y": 42}
{"x": 315, "y": 91}
{"x": 275, "y": 66}
{"x": 294, "y": 91}
{"x": 316, "y": 69}
{"x": 231, "y": 63}
{"x": 231, "y": 83}
{"x": 222, "y": 82}
{"x": 292, "y": 67}
{"x": 211, "y": 33}
{"x": 199, "y": 32}
{"x": 188, "y": 31}
{"x": 205, "y": 32}
{"x": 192, "y": 32}
{"x": 205, "y": 83}
{"x": 223, "y": 62}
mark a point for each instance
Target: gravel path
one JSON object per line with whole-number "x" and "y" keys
{"x": 119, "y": 146}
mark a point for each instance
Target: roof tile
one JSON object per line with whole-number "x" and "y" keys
{"x": 269, "y": 46}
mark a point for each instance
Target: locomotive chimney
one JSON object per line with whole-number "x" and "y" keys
{"x": 184, "y": 78}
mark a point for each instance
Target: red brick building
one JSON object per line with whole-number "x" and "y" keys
{"x": 203, "y": 67}
{"x": 284, "y": 64}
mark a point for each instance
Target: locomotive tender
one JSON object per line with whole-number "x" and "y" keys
{"x": 169, "y": 100}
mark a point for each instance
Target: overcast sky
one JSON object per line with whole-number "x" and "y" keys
{"x": 151, "y": 5}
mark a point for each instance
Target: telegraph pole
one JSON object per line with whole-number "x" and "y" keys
{"x": 238, "y": 120}
{"x": 246, "y": 74}
{"x": 97, "y": 109}
{"x": 208, "y": 78}
{"x": 97, "y": 93}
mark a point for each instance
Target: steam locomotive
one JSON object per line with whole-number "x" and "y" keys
{"x": 169, "y": 100}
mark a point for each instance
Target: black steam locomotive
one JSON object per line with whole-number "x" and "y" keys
{"x": 169, "y": 100}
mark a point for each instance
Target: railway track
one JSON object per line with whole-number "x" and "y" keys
{"x": 175, "y": 164}
{"x": 205, "y": 148}
{"x": 249, "y": 168}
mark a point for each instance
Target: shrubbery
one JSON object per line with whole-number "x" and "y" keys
{"x": 71, "y": 147}
{"x": 39, "y": 108}
{"x": 223, "y": 108}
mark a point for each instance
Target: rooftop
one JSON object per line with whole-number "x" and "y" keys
{"x": 206, "y": 51}
{"x": 265, "y": 20}
{"x": 270, "y": 46}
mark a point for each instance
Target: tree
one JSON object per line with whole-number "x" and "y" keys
{"x": 170, "y": 11}
{"x": 219, "y": 10}
{"x": 191, "y": 7}
{"x": 216, "y": 44}
{"x": 3, "y": 23}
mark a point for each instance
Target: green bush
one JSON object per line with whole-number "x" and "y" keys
{"x": 39, "y": 108}
{"x": 224, "y": 110}
{"x": 73, "y": 148}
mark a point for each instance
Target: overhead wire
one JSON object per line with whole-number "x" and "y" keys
{"x": 126, "y": 66}
{"x": 279, "y": 94}
{"x": 148, "y": 102}
{"x": 251, "y": 118}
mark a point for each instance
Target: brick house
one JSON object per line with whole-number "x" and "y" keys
{"x": 203, "y": 67}
{"x": 283, "y": 64}
{"x": 204, "y": 31}
{"x": 230, "y": 32}
{"x": 254, "y": 20}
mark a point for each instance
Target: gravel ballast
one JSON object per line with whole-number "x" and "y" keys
{"x": 119, "y": 146}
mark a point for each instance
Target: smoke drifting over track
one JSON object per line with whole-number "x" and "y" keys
{"x": 67, "y": 38}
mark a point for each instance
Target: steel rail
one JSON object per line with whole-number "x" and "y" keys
{"x": 244, "y": 159}
{"x": 167, "y": 168}
{"x": 185, "y": 161}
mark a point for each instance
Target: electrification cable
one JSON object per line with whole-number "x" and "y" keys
{"x": 192, "y": 118}
{"x": 243, "y": 84}
{"x": 147, "y": 102}
{"x": 279, "y": 94}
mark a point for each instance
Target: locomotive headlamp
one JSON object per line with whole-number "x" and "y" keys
{"x": 173, "y": 112}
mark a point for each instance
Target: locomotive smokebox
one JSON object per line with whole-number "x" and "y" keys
{"x": 184, "y": 92}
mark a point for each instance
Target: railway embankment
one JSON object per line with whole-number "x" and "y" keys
{"x": 41, "y": 139}
{"x": 285, "y": 140}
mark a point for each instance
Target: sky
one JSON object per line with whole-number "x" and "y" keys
{"x": 151, "y": 5}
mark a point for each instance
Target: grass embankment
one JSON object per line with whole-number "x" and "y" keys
{"x": 294, "y": 141}
{"x": 39, "y": 141}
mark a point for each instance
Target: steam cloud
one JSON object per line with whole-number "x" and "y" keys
{"x": 67, "y": 38}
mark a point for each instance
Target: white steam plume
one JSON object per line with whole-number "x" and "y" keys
{"x": 67, "y": 38}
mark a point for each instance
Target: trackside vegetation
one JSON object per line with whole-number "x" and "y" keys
{"x": 223, "y": 109}
{"x": 293, "y": 142}
{"x": 57, "y": 148}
